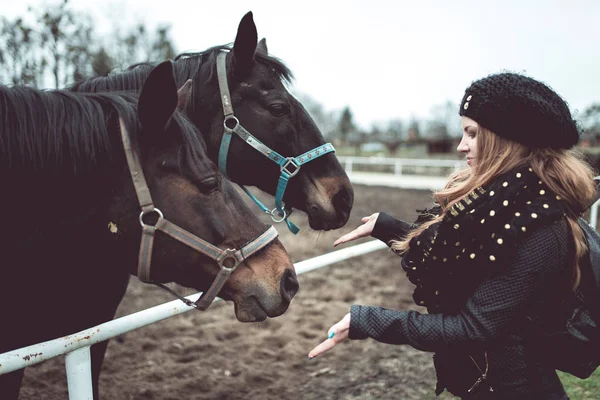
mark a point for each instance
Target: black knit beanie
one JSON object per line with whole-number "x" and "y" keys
{"x": 521, "y": 109}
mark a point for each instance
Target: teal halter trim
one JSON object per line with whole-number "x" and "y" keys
{"x": 289, "y": 166}
{"x": 286, "y": 213}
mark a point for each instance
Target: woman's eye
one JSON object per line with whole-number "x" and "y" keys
{"x": 278, "y": 109}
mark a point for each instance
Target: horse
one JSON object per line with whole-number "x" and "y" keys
{"x": 270, "y": 142}
{"x": 76, "y": 170}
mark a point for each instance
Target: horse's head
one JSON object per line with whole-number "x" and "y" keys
{"x": 266, "y": 109}
{"x": 193, "y": 196}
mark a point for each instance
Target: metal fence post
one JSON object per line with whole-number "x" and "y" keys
{"x": 348, "y": 165}
{"x": 79, "y": 374}
{"x": 594, "y": 214}
{"x": 398, "y": 167}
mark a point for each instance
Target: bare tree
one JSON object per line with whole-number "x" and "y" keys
{"x": 346, "y": 125}
{"x": 62, "y": 46}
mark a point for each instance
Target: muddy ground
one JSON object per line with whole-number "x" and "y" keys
{"x": 210, "y": 355}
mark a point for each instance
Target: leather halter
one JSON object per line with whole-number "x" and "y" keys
{"x": 228, "y": 260}
{"x": 289, "y": 166}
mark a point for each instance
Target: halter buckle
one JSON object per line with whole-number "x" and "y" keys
{"x": 146, "y": 212}
{"x": 290, "y": 161}
{"x": 283, "y": 215}
{"x": 228, "y": 257}
{"x": 231, "y": 118}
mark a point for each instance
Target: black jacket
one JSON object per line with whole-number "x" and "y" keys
{"x": 492, "y": 321}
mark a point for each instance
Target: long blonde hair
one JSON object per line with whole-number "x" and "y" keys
{"x": 563, "y": 171}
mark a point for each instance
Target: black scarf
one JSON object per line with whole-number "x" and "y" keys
{"x": 477, "y": 237}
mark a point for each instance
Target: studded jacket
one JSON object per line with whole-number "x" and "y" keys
{"x": 484, "y": 345}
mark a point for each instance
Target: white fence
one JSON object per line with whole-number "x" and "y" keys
{"x": 77, "y": 346}
{"x": 398, "y": 164}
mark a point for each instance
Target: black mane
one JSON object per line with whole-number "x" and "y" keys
{"x": 58, "y": 129}
{"x": 186, "y": 65}
{"x": 43, "y": 129}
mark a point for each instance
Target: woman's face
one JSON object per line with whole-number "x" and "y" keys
{"x": 468, "y": 143}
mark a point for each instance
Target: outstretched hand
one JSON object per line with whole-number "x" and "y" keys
{"x": 368, "y": 223}
{"x": 336, "y": 334}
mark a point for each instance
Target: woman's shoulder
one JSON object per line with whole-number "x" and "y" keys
{"x": 546, "y": 246}
{"x": 555, "y": 233}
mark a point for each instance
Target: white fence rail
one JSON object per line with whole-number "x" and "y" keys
{"x": 398, "y": 164}
{"x": 77, "y": 346}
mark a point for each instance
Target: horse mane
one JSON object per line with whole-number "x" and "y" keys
{"x": 51, "y": 128}
{"x": 186, "y": 66}
{"x": 56, "y": 129}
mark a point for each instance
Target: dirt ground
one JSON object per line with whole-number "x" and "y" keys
{"x": 210, "y": 355}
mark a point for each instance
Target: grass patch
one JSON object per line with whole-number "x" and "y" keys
{"x": 581, "y": 389}
{"x": 577, "y": 389}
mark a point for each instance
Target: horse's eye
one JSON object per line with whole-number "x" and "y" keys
{"x": 278, "y": 109}
{"x": 208, "y": 185}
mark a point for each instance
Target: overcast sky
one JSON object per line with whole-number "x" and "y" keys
{"x": 390, "y": 58}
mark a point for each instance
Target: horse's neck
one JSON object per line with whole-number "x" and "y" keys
{"x": 48, "y": 200}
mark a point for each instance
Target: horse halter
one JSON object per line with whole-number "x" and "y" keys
{"x": 289, "y": 166}
{"x": 228, "y": 260}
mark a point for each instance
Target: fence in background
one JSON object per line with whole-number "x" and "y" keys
{"x": 398, "y": 165}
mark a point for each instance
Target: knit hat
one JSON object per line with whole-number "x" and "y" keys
{"x": 521, "y": 109}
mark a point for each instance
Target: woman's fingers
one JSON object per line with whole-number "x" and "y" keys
{"x": 348, "y": 237}
{"x": 321, "y": 348}
{"x": 368, "y": 223}
{"x": 336, "y": 334}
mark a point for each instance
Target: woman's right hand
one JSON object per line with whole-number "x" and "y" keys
{"x": 368, "y": 223}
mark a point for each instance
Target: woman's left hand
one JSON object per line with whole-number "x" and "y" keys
{"x": 336, "y": 334}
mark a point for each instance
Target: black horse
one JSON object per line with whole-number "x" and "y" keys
{"x": 268, "y": 111}
{"x": 71, "y": 222}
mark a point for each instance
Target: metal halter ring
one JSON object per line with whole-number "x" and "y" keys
{"x": 228, "y": 254}
{"x": 231, "y": 118}
{"x": 143, "y": 213}
{"x": 272, "y": 214}
{"x": 290, "y": 160}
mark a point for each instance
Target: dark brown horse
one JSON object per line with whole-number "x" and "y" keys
{"x": 83, "y": 175}
{"x": 266, "y": 109}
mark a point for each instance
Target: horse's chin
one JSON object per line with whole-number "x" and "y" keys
{"x": 247, "y": 312}
{"x": 318, "y": 222}
{"x": 250, "y": 309}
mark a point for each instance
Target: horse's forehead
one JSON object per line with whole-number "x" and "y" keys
{"x": 248, "y": 85}
{"x": 265, "y": 76}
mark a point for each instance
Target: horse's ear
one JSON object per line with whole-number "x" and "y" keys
{"x": 262, "y": 46}
{"x": 158, "y": 99}
{"x": 244, "y": 46}
{"x": 183, "y": 95}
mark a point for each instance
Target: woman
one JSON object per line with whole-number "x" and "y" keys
{"x": 501, "y": 247}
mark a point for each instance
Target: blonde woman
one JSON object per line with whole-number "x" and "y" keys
{"x": 501, "y": 245}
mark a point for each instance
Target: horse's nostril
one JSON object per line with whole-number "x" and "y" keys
{"x": 343, "y": 199}
{"x": 289, "y": 285}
